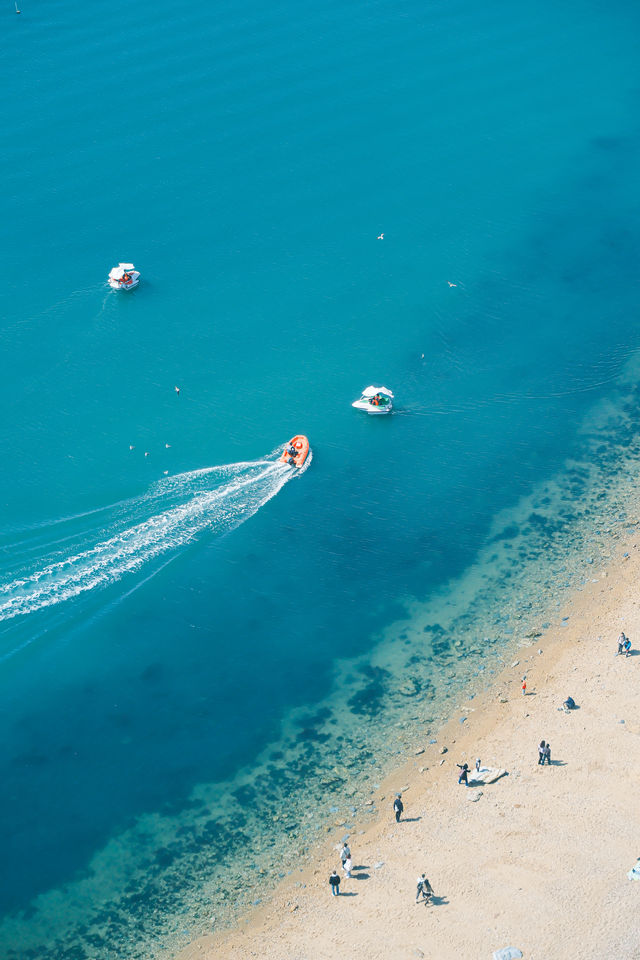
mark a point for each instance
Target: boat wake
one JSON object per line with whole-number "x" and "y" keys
{"x": 215, "y": 499}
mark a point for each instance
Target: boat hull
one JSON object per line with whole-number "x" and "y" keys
{"x": 301, "y": 444}
{"x": 371, "y": 409}
{"x": 131, "y": 285}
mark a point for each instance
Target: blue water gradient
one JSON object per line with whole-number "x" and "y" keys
{"x": 246, "y": 157}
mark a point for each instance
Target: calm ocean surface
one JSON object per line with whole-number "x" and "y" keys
{"x": 158, "y": 622}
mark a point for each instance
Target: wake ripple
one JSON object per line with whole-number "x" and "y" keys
{"x": 215, "y": 499}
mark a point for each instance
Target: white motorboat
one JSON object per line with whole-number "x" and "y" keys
{"x": 375, "y": 400}
{"x": 124, "y": 277}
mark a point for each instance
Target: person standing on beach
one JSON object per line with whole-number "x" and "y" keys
{"x": 424, "y": 889}
{"x": 464, "y": 773}
{"x": 345, "y": 853}
{"x": 541, "y": 749}
{"x": 334, "y": 881}
{"x": 547, "y": 755}
{"x": 346, "y": 866}
{"x": 398, "y": 807}
{"x": 621, "y": 641}
{"x": 524, "y": 686}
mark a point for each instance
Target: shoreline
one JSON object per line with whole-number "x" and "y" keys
{"x": 521, "y": 830}
{"x": 436, "y": 663}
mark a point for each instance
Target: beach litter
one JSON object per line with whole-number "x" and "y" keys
{"x": 507, "y": 953}
{"x": 634, "y": 873}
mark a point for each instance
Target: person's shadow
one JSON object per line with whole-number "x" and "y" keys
{"x": 438, "y": 901}
{"x": 360, "y": 876}
{"x": 410, "y": 819}
{"x": 348, "y": 893}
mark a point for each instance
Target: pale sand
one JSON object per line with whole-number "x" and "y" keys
{"x": 539, "y": 862}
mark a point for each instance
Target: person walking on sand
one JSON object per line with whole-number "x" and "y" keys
{"x": 334, "y": 881}
{"x": 547, "y": 755}
{"x": 424, "y": 889}
{"x": 398, "y": 807}
{"x": 346, "y": 866}
{"x": 541, "y": 749}
{"x": 524, "y": 686}
{"x": 345, "y": 853}
{"x": 464, "y": 773}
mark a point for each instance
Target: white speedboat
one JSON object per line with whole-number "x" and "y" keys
{"x": 124, "y": 277}
{"x": 375, "y": 400}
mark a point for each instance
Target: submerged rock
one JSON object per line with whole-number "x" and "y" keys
{"x": 410, "y": 687}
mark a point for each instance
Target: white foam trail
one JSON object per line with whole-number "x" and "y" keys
{"x": 215, "y": 499}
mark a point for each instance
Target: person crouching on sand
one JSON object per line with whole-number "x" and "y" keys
{"x": 334, "y": 882}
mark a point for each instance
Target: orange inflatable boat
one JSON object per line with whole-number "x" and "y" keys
{"x": 295, "y": 452}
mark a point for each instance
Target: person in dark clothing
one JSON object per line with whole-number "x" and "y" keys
{"x": 424, "y": 890}
{"x": 541, "y": 747}
{"x": 464, "y": 773}
{"x": 626, "y": 646}
{"x": 334, "y": 881}
{"x": 398, "y": 807}
{"x": 547, "y": 754}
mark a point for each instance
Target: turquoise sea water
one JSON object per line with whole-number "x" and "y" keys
{"x": 162, "y": 615}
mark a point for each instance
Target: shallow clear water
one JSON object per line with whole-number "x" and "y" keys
{"x": 246, "y": 159}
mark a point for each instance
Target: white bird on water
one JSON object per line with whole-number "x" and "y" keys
{"x": 177, "y": 389}
{"x": 146, "y": 454}
{"x": 452, "y": 284}
{"x": 381, "y": 237}
{"x": 131, "y": 446}
{"x": 167, "y": 445}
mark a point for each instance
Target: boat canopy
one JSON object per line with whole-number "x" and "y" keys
{"x": 371, "y": 392}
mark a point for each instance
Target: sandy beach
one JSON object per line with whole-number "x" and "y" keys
{"x": 537, "y": 860}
